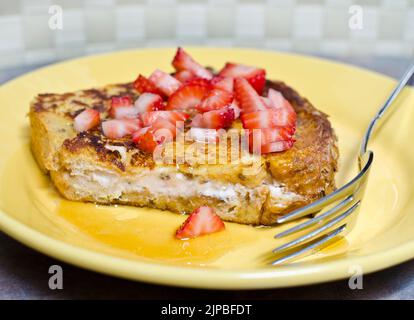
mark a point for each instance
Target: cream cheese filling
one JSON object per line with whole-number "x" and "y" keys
{"x": 166, "y": 181}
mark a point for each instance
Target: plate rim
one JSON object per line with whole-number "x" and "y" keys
{"x": 190, "y": 276}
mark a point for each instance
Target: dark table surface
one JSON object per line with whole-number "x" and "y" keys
{"x": 24, "y": 272}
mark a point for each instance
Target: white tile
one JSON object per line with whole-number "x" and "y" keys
{"x": 335, "y": 47}
{"x": 278, "y": 44}
{"x": 100, "y": 24}
{"x": 73, "y": 31}
{"x": 10, "y": 59}
{"x": 160, "y": 21}
{"x": 99, "y": 48}
{"x": 11, "y": 33}
{"x": 130, "y": 23}
{"x": 250, "y": 21}
{"x": 279, "y": 21}
{"x": 369, "y": 24}
{"x": 409, "y": 26}
{"x": 191, "y": 20}
{"x": 39, "y": 56}
{"x": 221, "y": 20}
{"x": 308, "y": 22}
{"x": 389, "y": 48}
{"x": 36, "y": 31}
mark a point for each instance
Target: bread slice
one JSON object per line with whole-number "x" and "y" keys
{"x": 89, "y": 167}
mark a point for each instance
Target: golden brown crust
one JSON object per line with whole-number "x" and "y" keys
{"x": 306, "y": 170}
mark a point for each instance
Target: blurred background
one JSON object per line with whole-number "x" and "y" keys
{"x": 34, "y": 32}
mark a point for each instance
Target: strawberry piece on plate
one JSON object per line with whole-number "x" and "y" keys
{"x": 267, "y": 119}
{"x": 247, "y": 98}
{"x": 201, "y": 222}
{"x": 118, "y": 128}
{"x": 87, "y": 119}
{"x": 188, "y": 96}
{"x": 215, "y": 119}
{"x": 149, "y": 102}
{"x": 255, "y": 76}
{"x": 184, "y": 76}
{"x": 183, "y": 61}
{"x": 148, "y": 118}
{"x": 164, "y": 82}
{"x": 142, "y": 85}
{"x": 214, "y": 100}
{"x": 224, "y": 83}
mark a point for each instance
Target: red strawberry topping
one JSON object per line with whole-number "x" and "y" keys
{"x": 255, "y": 76}
{"x": 188, "y": 96}
{"x": 149, "y": 102}
{"x": 215, "y": 119}
{"x": 87, "y": 119}
{"x": 184, "y": 76}
{"x": 183, "y": 61}
{"x": 142, "y": 85}
{"x": 148, "y": 118}
{"x": 247, "y": 98}
{"x": 116, "y": 128}
{"x": 224, "y": 83}
{"x": 164, "y": 82}
{"x": 214, "y": 100}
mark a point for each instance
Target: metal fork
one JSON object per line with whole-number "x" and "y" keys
{"x": 334, "y": 214}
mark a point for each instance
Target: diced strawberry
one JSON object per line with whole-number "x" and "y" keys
{"x": 224, "y": 83}
{"x": 234, "y": 105}
{"x": 183, "y": 61}
{"x": 202, "y": 221}
{"x": 203, "y": 134}
{"x": 164, "y": 82}
{"x": 121, "y": 101}
{"x": 215, "y": 119}
{"x": 267, "y": 119}
{"x": 268, "y": 135}
{"x": 87, "y": 119}
{"x": 184, "y": 76}
{"x": 149, "y": 102}
{"x": 255, "y": 76}
{"x": 148, "y": 138}
{"x": 271, "y": 139}
{"x": 122, "y": 108}
{"x": 164, "y": 124}
{"x": 148, "y": 118}
{"x": 116, "y": 128}
{"x": 214, "y": 100}
{"x": 142, "y": 85}
{"x": 145, "y": 141}
{"x": 277, "y": 146}
{"x": 275, "y": 99}
{"x": 201, "y": 82}
{"x": 188, "y": 96}
{"x": 247, "y": 98}
{"x": 197, "y": 121}
{"x": 278, "y": 102}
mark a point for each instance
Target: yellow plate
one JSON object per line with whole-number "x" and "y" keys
{"x": 138, "y": 243}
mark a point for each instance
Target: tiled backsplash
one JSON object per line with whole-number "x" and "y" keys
{"x": 311, "y": 26}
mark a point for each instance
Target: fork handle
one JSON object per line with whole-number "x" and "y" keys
{"x": 397, "y": 90}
